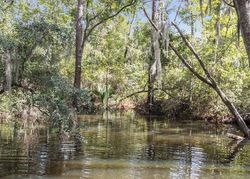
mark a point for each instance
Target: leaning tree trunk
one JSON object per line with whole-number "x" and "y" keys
{"x": 207, "y": 80}
{"x": 243, "y": 11}
{"x": 212, "y": 83}
{"x": 234, "y": 111}
{"x": 79, "y": 49}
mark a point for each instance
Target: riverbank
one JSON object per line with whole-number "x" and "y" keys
{"x": 22, "y": 105}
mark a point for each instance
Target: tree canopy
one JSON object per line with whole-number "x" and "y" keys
{"x": 59, "y": 56}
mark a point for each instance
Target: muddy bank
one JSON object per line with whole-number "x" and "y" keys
{"x": 172, "y": 109}
{"x": 229, "y": 119}
{"x": 183, "y": 111}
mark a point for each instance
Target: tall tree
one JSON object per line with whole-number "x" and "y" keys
{"x": 155, "y": 58}
{"x": 91, "y": 21}
{"x": 243, "y": 12}
{"x": 8, "y": 72}
{"x": 79, "y": 47}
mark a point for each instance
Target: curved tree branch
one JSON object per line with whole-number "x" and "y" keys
{"x": 229, "y": 4}
{"x": 145, "y": 91}
{"x": 109, "y": 17}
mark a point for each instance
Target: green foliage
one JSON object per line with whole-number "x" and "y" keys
{"x": 56, "y": 100}
{"x": 15, "y": 102}
{"x": 40, "y": 36}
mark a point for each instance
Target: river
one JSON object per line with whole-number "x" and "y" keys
{"x": 122, "y": 146}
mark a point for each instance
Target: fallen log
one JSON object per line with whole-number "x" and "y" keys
{"x": 235, "y": 137}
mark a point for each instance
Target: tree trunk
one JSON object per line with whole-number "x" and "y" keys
{"x": 8, "y": 72}
{"x": 243, "y": 11}
{"x": 150, "y": 81}
{"x": 217, "y": 29}
{"x": 234, "y": 111}
{"x": 208, "y": 79}
{"x": 16, "y": 72}
{"x": 154, "y": 63}
{"x": 79, "y": 49}
{"x": 212, "y": 83}
{"x": 82, "y": 34}
{"x": 150, "y": 90}
{"x": 106, "y": 105}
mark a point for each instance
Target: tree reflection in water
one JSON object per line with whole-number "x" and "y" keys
{"x": 122, "y": 146}
{"x": 33, "y": 150}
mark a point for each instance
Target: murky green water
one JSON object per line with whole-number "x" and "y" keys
{"x": 122, "y": 147}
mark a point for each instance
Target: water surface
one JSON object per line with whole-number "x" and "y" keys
{"x": 122, "y": 146}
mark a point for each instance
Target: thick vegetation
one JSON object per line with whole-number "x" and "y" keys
{"x": 62, "y": 56}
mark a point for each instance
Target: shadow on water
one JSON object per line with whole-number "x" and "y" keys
{"x": 122, "y": 145}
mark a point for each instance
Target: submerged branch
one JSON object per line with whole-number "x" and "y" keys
{"x": 235, "y": 137}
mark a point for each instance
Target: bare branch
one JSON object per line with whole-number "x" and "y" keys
{"x": 184, "y": 61}
{"x": 177, "y": 12}
{"x": 95, "y": 16}
{"x": 151, "y": 22}
{"x": 243, "y": 127}
{"x": 189, "y": 45}
{"x": 229, "y": 4}
{"x": 145, "y": 91}
{"x": 109, "y": 17}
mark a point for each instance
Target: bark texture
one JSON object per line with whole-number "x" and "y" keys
{"x": 8, "y": 72}
{"x": 79, "y": 39}
{"x": 79, "y": 49}
{"x": 243, "y": 11}
{"x": 155, "y": 59}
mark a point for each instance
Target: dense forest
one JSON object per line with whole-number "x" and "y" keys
{"x": 181, "y": 59}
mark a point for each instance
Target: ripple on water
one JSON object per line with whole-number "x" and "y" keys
{"x": 123, "y": 148}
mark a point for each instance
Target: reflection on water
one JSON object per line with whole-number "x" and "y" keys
{"x": 124, "y": 146}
